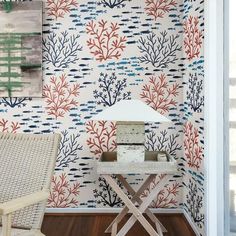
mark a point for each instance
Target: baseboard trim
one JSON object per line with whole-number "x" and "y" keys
{"x": 107, "y": 210}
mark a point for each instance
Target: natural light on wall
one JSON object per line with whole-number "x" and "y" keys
{"x": 232, "y": 114}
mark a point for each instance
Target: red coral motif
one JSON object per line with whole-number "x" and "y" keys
{"x": 58, "y": 8}
{"x": 9, "y": 128}
{"x": 193, "y": 151}
{"x": 105, "y": 42}
{"x": 159, "y": 95}
{"x": 103, "y": 136}
{"x": 166, "y": 196}
{"x": 62, "y": 193}
{"x": 158, "y": 8}
{"x": 60, "y": 96}
{"x": 192, "y": 37}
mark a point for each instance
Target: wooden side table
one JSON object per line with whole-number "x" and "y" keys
{"x": 109, "y": 166}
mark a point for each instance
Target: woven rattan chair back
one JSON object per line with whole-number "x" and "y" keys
{"x": 27, "y": 162}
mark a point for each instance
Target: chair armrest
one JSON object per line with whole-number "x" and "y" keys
{"x": 19, "y": 203}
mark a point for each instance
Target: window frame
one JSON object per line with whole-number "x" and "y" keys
{"x": 216, "y": 119}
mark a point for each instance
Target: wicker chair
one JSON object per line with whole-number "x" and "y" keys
{"x": 27, "y": 163}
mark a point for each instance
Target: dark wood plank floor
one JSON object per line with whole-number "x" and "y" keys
{"x": 95, "y": 225}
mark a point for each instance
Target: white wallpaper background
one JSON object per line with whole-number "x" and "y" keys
{"x": 96, "y": 53}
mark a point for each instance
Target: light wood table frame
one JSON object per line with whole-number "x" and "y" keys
{"x": 136, "y": 206}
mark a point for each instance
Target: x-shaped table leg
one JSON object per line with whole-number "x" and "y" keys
{"x": 140, "y": 201}
{"x": 135, "y": 197}
{"x": 136, "y": 211}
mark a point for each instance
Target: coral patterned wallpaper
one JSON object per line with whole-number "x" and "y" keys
{"x": 193, "y": 141}
{"x": 98, "y": 52}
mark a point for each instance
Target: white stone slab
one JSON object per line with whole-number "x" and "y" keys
{"x": 130, "y": 133}
{"x": 130, "y": 153}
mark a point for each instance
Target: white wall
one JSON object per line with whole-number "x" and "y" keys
{"x": 214, "y": 87}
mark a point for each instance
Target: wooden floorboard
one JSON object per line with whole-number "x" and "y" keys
{"x": 95, "y": 225}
